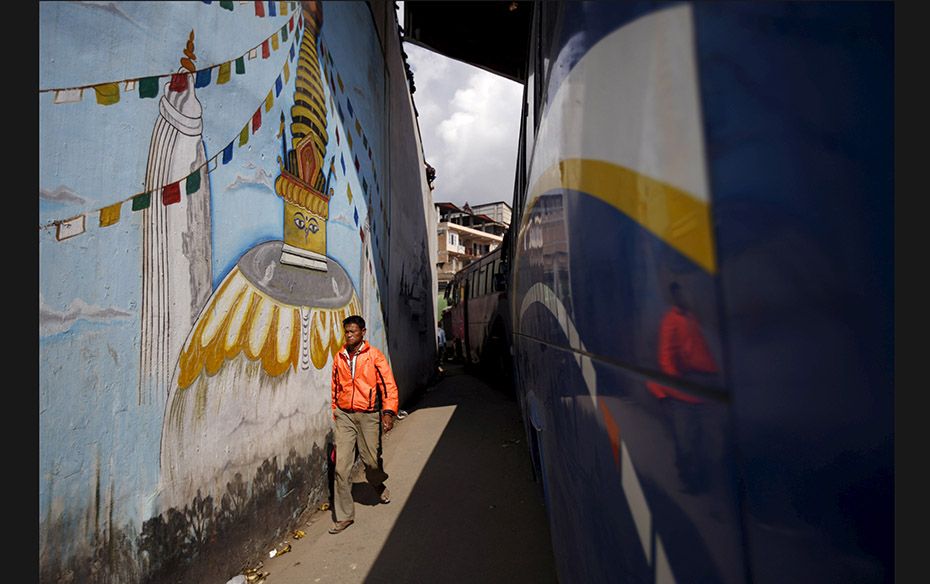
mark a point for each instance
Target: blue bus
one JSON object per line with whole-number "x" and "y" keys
{"x": 701, "y": 289}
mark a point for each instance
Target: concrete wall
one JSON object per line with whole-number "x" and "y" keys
{"x": 184, "y": 369}
{"x": 411, "y": 266}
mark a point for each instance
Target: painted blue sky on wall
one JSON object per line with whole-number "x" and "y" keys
{"x": 93, "y": 155}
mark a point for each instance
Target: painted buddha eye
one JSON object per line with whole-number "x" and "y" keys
{"x": 312, "y": 226}
{"x": 299, "y": 222}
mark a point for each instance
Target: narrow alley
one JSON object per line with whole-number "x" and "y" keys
{"x": 464, "y": 504}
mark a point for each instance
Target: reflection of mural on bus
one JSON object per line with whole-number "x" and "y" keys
{"x": 176, "y": 247}
{"x": 245, "y": 389}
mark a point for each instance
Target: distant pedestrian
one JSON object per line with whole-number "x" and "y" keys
{"x": 364, "y": 397}
{"x": 440, "y": 341}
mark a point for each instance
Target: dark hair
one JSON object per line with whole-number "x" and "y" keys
{"x": 354, "y": 319}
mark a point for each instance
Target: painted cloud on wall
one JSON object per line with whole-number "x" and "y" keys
{"x": 61, "y": 195}
{"x": 261, "y": 178}
{"x": 52, "y": 322}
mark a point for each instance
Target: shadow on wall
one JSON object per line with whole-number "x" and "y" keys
{"x": 204, "y": 539}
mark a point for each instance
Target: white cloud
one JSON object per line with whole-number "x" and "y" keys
{"x": 469, "y": 120}
{"x": 259, "y": 178}
{"x": 108, "y": 7}
{"x": 53, "y": 321}
{"x": 61, "y": 195}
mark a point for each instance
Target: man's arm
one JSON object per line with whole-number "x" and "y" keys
{"x": 389, "y": 397}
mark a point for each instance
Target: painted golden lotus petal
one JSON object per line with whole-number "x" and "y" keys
{"x": 242, "y": 319}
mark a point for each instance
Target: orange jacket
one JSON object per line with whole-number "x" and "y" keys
{"x": 682, "y": 349}
{"x": 373, "y": 382}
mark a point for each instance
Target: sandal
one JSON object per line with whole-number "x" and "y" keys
{"x": 385, "y": 495}
{"x": 340, "y": 526}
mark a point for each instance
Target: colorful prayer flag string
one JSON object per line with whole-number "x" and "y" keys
{"x": 170, "y": 193}
{"x": 108, "y": 92}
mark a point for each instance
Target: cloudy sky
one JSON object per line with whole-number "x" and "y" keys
{"x": 469, "y": 121}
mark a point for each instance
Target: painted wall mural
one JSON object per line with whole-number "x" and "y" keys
{"x": 203, "y": 232}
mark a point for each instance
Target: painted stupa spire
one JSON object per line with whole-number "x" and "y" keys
{"x": 302, "y": 179}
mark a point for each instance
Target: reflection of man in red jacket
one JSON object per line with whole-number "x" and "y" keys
{"x": 364, "y": 398}
{"x": 683, "y": 353}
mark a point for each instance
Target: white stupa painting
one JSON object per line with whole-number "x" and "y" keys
{"x": 176, "y": 248}
{"x": 253, "y": 376}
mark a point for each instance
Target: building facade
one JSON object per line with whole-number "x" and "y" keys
{"x": 465, "y": 235}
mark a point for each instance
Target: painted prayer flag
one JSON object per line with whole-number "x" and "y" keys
{"x": 358, "y": 127}
{"x": 339, "y": 109}
{"x": 227, "y": 153}
{"x": 357, "y": 165}
{"x": 203, "y": 78}
{"x": 284, "y": 33}
{"x": 68, "y": 95}
{"x": 240, "y": 65}
{"x": 356, "y": 217}
{"x": 130, "y": 86}
{"x": 269, "y": 101}
{"x": 274, "y": 43}
{"x": 213, "y": 163}
{"x": 227, "y": 4}
{"x": 278, "y": 86}
{"x": 253, "y": 53}
{"x": 223, "y": 76}
{"x": 178, "y": 82}
{"x": 290, "y": 23}
{"x": 193, "y": 182}
{"x": 256, "y": 120}
{"x": 349, "y": 105}
{"x": 244, "y": 135}
{"x": 142, "y": 201}
{"x": 337, "y": 143}
{"x": 349, "y": 138}
{"x": 107, "y": 93}
{"x": 342, "y": 87}
{"x": 287, "y": 70}
{"x": 342, "y": 161}
{"x": 271, "y": 10}
{"x": 265, "y": 51}
{"x": 148, "y": 87}
{"x": 171, "y": 194}
{"x": 349, "y": 192}
{"x": 110, "y": 215}
{"x": 365, "y": 186}
{"x": 70, "y": 228}
{"x": 283, "y": 8}
{"x": 292, "y": 53}
{"x": 259, "y": 7}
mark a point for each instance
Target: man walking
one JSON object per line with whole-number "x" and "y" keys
{"x": 364, "y": 399}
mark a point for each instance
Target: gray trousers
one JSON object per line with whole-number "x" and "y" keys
{"x": 353, "y": 430}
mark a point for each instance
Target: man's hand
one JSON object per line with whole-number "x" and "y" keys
{"x": 387, "y": 421}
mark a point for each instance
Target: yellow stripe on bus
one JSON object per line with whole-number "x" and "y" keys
{"x": 676, "y": 217}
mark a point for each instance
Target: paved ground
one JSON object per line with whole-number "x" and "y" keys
{"x": 464, "y": 505}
